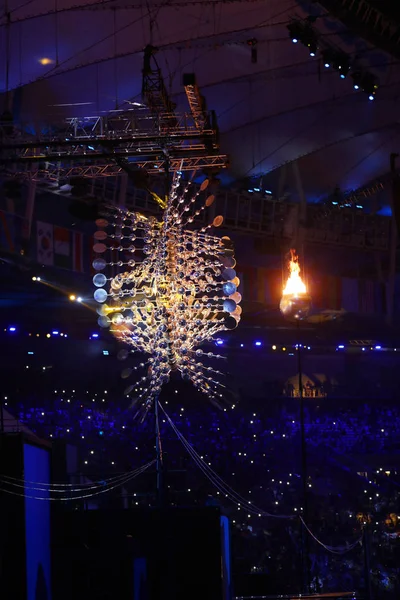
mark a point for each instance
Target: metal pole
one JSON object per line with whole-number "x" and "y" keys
{"x": 367, "y": 563}
{"x": 306, "y": 550}
{"x": 159, "y": 457}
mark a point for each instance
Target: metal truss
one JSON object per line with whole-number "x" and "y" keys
{"x": 154, "y": 92}
{"x": 52, "y": 172}
{"x": 367, "y": 20}
{"x": 196, "y": 102}
{"x": 94, "y": 137}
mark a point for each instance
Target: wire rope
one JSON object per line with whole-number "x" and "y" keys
{"x": 66, "y": 487}
{"x": 84, "y": 496}
{"x": 249, "y": 506}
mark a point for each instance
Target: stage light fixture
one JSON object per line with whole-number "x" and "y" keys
{"x": 328, "y": 57}
{"x": 367, "y": 82}
{"x": 337, "y": 60}
{"x": 303, "y": 32}
{"x": 357, "y": 78}
{"x": 295, "y": 29}
{"x": 341, "y": 63}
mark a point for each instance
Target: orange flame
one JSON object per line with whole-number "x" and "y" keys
{"x": 294, "y": 285}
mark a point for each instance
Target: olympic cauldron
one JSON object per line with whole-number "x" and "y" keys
{"x": 295, "y": 303}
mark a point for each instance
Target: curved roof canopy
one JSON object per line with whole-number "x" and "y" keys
{"x": 275, "y": 103}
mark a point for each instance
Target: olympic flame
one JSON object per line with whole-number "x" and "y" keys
{"x": 294, "y": 285}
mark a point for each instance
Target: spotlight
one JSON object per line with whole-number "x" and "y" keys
{"x": 357, "y": 78}
{"x": 341, "y": 63}
{"x": 367, "y": 82}
{"x": 295, "y": 31}
{"x": 79, "y": 299}
{"x": 310, "y": 40}
{"x": 304, "y": 33}
{"x": 337, "y": 60}
{"x": 72, "y": 298}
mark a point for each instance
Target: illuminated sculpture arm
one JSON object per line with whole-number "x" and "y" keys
{"x": 177, "y": 290}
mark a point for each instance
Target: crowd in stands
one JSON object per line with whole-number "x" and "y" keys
{"x": 352, "y": 477}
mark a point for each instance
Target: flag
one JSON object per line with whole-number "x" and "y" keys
{"x": 92, "y": 255}
{"x": 261, "y": 284}
{"x": 7, "y": 238}
{"x": 44, "y": 241}
{"x": 77, "y": 264}
{"x": 380, "y": 289}
{"x": 366, "y": 296}
{"x": 62, "y": 247}
{"x": 350, "y": 301}
{"x": 274, "y": 287}
{"x": 333, "y": 293}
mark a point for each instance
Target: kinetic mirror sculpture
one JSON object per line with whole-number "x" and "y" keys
{"x": 170, "y": 289}
{"x": 295, "y": 303}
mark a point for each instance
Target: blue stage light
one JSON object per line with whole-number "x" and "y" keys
{"x": 341, "y": 346}
{"x": 378, "y": 347}
{"x": 12, "y": 329}
{"x": 95, "y": 335}
{"x": 55, "y": 332}
{"x": 258, "y": 344}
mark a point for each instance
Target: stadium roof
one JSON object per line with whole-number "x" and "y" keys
{"x": 275, "y": 103}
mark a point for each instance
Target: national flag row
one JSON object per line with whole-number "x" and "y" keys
{"x": 73, "y": 250}
{"x": 60, "y": 247}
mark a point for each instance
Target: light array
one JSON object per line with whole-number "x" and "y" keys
{"x": 168, "y": 290}
{"x": 303, "y": 32}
